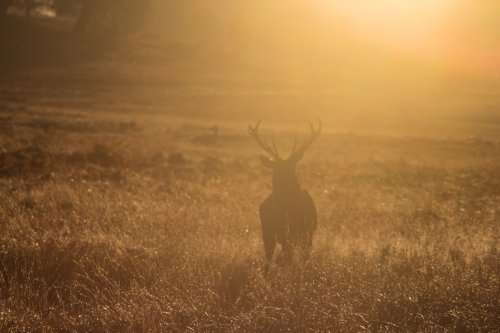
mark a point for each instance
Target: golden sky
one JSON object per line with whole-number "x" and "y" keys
{"x": 325, "y": 38}
{"x": 463, "y": 35}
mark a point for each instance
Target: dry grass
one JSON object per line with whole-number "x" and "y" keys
{"x": 113, "y": 223}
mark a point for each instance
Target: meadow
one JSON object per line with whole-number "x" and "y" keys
{"x": 145, "y": 222}
{"x": 121, "y": 211}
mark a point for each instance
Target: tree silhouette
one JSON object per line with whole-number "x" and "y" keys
{"x": 4, "y": 6}
{"x": 93, "y": 16}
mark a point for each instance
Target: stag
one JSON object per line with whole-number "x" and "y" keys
{"x": 288, "y": 215}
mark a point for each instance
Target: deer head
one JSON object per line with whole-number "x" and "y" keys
{"x": 284, "y": 178}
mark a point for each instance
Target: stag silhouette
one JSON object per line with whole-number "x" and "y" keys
{"x": 288, "y": 215}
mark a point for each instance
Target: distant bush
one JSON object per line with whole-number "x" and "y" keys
{"x": 106, "y": 17}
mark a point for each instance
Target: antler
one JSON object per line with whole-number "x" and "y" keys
{"x": 297, "y": 154}
{"x": 253, "y": 131}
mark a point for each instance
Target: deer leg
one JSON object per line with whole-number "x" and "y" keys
{"x": 288, "y": 244}
{"x": 306, "y": 248}
{"x": 268, "y": 220}
{"x": 269, "y": 238}
{"x": 269, "y": 246}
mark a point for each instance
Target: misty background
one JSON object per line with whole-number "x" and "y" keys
{"x": 371, "y": 66}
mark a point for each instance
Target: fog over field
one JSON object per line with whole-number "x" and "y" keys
{"x": 130, "y": 187}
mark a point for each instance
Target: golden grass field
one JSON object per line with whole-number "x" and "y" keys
{"x": 122, "y": 213}
{"x": 145, "y": 223}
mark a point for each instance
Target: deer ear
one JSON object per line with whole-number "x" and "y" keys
{"x": 295, "y": 158}
{"x": 266, "y": 161}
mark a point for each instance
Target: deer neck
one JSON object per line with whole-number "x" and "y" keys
{"x": 286, "y": 189}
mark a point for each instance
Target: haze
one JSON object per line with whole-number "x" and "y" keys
{"x": 158, "y": 172}
{"x": 384, "y": 58}
{"x": 455, "y": 37}
{"x": 409, "y": 67}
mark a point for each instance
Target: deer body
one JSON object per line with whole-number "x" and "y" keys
{"x": 290, "y": 224}
{"x": 288, "y": 215}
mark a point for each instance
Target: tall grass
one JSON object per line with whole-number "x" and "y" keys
{"x": 136, "y": 228}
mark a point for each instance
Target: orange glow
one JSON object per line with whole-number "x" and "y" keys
{"x": 303, "y": 37}
{"x": 450, "y": 33}
{"x": 413, "y": 25}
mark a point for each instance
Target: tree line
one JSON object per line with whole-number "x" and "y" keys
{"x": 103, "y": 16}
